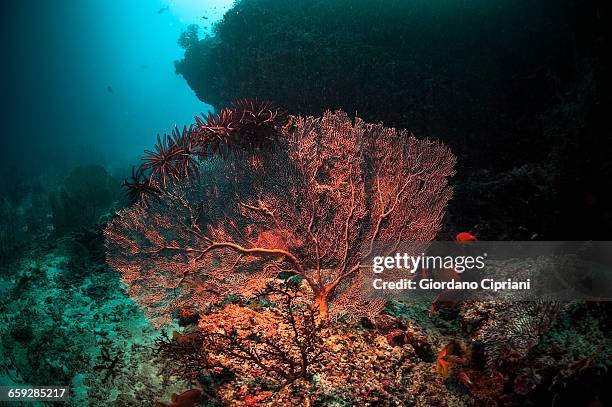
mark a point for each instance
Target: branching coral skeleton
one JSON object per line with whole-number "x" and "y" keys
{"x": 312, "y": 203}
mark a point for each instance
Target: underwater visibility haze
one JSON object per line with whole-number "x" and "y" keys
{"x": 305, "y": 203}
{"x": 70, "y": 66}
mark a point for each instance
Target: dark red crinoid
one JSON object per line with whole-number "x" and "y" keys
{"x": 247, "y": 125}
{"x": 140, "y": 188}
{"x": 187, "y": 146}
{"x": 257, "y": 122}
{"x": 258, "y": 113}
{"x": 214, "y": 131}
{"x": 244, "y": 126}
{"x": 163, "y": 161}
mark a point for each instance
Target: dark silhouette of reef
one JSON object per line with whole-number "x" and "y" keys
{"x": 85, "y": 194}
{"x": 517, "y": 89}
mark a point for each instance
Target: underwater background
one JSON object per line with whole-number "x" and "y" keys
{"x": 518, "y": 90}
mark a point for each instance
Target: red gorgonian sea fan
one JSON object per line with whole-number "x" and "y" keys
{"x": 304, "y": 206}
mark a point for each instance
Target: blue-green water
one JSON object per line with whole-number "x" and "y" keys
{"x": 94, "y": 80}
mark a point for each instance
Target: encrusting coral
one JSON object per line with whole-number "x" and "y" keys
{"x": 279, "y": 355}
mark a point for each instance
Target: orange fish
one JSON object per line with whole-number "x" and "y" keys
{"x": 189, "y": 398}
{"x": 442, "y": 363}
{"x": 465, "y": 237}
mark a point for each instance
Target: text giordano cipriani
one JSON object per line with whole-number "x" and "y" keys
{"x": 407, "y": 263}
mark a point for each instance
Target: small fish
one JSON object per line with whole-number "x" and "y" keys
{"x": 442, "y": 363}
{"x": 163, "y": 9}
{"x": 449, "y": 355}
{"x": 204, "y": 18}
{"x": 188, "y": 398}
{"x": 144, "y": 66}
{"x": 465, "y": 237}
{"x": 109, "y": 89}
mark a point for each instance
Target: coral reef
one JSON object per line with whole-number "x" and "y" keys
{"x": 324, "y": 186}
{"x": 280, "y": 343}
{"x": 257, "y": 355}
{"x": 392, "y": 62}
{"x": 94, "y": 337}
{"x": 231, "y": 274}
{"x": 23, "y": 211}
{"x": 12, "y": 231}
{"x": 189, "y": 37}
{"x": 66, "y": 321}
{"x": 85, "y": 195}
{"x": 508, "y": 330}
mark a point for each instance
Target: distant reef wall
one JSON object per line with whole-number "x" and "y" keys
{"x": 453, "y": 69}
{"x": 506, "y": 84}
